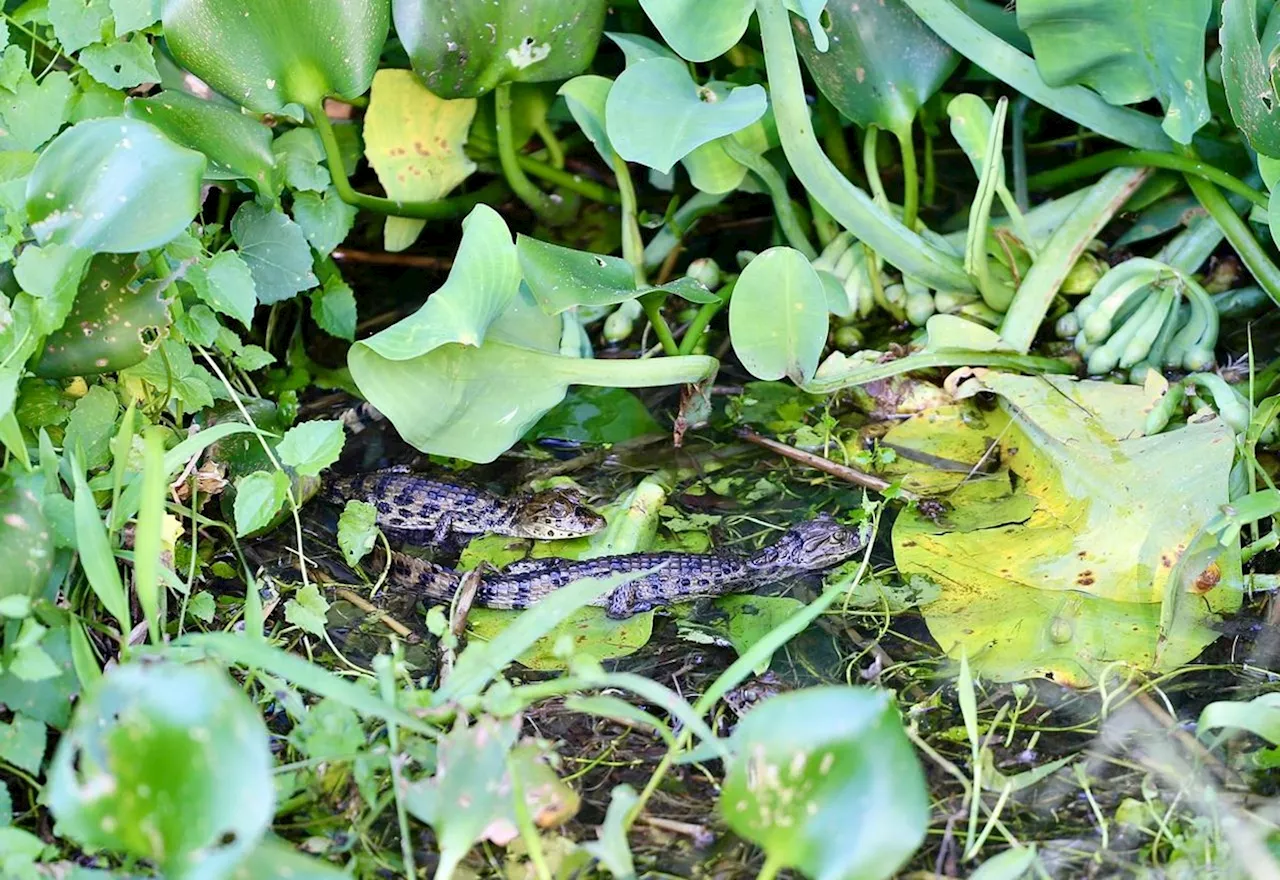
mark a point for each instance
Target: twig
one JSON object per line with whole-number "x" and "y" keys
{"x": 380, "y": 613}
{"x": 824, "y": 464}
{"x": 382, "y": 258}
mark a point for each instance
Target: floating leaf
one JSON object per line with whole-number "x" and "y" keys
{"x": 698, "y": 30}
{"x": 1082, "y": 550}
{"x": 596, "y": 415}
{"x": 463, "y": 50}
{"x": 113, "y": 186}
{"x": 805, "y": 761}
{"x": 656, "y": 114}
{"x": 414, "y": 142}
{"x": 1127, "y": 52}
{"x": 166, "y": 763}
{"x": 357, "y": 530}
{"x": 236, "y": 144}
{"x": 268, "y": 54}
{"x": 778, "y": 316}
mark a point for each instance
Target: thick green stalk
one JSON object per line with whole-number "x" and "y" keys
{"x": 777, "y": 187}
{"x": 849, "y": 205}
{"x": 928, "y": 360}
{"x": 706, "y": 312}
{"x": 552, "y": 210}
{"x": 910, "y": 179}
{"x": 633, "y": 253}
{"x": 1100, "y": 162}
{"x": 441, "y": 209}
{"x": 588, "y": 189}
{"x": 1238, "y": 233}
{"x": 1005, "y": 62}
{"x": 1035, "y": 294}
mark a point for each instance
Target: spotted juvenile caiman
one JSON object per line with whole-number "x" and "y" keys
{"x": 666, "y": 577}
{"x": 419, "y": 509}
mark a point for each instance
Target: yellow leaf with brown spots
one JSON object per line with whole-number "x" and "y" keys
{"x": 414, "y": 142}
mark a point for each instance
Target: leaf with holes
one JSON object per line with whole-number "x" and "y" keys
{"x": 166, "y": 763}
{"x": 463, "y": 50}
{"x": 805, "y": 761}
{"x": 113, "y": 323}
{"x": 121, "y": 64}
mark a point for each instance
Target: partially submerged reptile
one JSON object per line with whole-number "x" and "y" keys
{"x": 421, "y": 509}
{"x": 664, "y": 578}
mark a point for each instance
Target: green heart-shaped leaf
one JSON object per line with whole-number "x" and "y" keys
{"x": 697, "y": 29}
{"x": 778, "y": 316}
{"x": 656, "y": 114}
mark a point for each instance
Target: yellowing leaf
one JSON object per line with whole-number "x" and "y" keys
{"x": 414, "y": 141}
{"x": 1086, "y": 546}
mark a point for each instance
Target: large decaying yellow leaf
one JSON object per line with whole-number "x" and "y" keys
{"x": 414, "y": 142}
{"x": 1084, "y": 547}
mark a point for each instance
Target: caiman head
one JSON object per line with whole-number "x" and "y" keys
{"x": 555, "y": 514}
{"x": 812, "y": 546}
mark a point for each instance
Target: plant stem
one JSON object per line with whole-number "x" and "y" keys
{"x": 588, "y": 189}
{"x": 441, "y": 209}
{"x": 1104, "y": 161}
{"x": 930, "y": 171}
{"x": 1036, "y": 292}
{"x": 910, "y": 180}
{"x": 555, "y": 149}
{"x": 632, "y": 243}
{"x": 700, "y": 321}
{"x": 871, "y": 166}
{"x": 553, "y": 210}
{"x": 1019, "y": 147}
{"x": 850, "y": 206}
{"x": 1238, "y": 233}
{"x": 777, "y": 187}
{"x": 833, "y": 138}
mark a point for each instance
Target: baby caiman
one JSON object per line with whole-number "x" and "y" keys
{"x": 422, "y": 510}
{"x": 667, "y": 578}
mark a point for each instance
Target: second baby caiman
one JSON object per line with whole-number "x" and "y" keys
{"x": 424, "y": 510}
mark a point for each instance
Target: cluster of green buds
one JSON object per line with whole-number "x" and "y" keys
{"x": 859, "y": 274}
{"x": 1141, "y": 315}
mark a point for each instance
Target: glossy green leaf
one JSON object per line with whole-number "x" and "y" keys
{"x": 463, "y": 50}
{"x": 26, "y": 544}
{"x": 1259, "y": 716}
{"x": 134, "y": 15}
{"x": 1246, "y": 77}
{"x": 656, "y": 114}
{"x": 52, "y": 275}
{"x": 778, "y": 316}
{"x": 113, "y": 186}
{"x": 414, "y": 142}
{"x": 96, "y": 556}
{"x": 561, "y": 278}
{"x": 273, "y": 52}
{"x": 312, "y": 446}
{"x": 113, "y": 323}
{"x": 88, "y": 432}
{"x": 596, "y": 415}
{"x": 1127, "y": 52}
{"x": 698, "y": 30}
{"x": 882, "y": 63}
{"x": 259, "y": 497}
{"x": 805, "y": 761}
{"x": 636, "y": 47}
{"x": 275, "y": 250}
{"x": 300, "y": 152}
{"x": 236, "y": 144}
{"x": 166, "y": 763}
{"x": 307, "y": 610}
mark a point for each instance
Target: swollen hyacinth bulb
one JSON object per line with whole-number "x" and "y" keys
{"x": 705, "y": 271}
